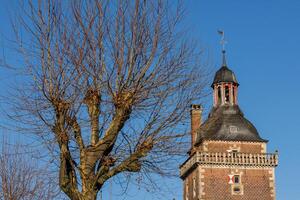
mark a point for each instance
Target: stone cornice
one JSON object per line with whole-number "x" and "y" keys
{"x": 229, "y": 159}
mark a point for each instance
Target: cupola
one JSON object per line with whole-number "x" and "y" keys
{"x": 225, "y": 85}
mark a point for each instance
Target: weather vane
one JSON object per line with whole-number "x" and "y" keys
{"x": 223, "y": 41}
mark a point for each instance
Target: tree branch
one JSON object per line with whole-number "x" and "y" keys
{"x": 131, "y": 164}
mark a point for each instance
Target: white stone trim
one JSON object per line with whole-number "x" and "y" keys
{"x": 232, "y": 167}
{"x": 227, "y": 142}
{"x": 272, "y": 183}
{"x": 201, "y": 171}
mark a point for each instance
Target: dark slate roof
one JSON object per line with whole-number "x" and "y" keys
{"x": 224, "y": 74}
{"x": 228, "y": 123}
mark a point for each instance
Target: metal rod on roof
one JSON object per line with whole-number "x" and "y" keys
{"x": 223, "y": 43}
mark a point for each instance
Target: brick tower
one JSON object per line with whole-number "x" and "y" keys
{"x": 228, "y": 159}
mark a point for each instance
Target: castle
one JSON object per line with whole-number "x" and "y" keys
{"x": 228, "y": 159}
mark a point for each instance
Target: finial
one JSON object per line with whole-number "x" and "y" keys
{"x": 223, "y": 43}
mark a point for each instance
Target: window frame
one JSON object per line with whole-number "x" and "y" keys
{"x": 237, "y": 185}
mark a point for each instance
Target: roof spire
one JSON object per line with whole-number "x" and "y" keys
{"x": 224, "y": 64}
{"x": 223, "y": 43}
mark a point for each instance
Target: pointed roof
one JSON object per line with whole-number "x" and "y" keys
{"x": 224, "y": 74}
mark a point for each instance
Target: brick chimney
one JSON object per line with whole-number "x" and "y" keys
{"x": 196, "y": 114}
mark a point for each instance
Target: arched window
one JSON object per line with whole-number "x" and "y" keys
{"x": 219, "y": 95}
{"x": 226, "y": 94}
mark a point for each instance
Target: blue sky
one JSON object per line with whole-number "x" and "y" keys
{"x": 264, "y": 52}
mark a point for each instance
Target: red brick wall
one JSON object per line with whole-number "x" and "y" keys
{"x": 256, "y": 184}
{"x": 212, "y": 181}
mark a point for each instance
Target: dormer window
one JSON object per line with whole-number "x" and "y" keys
{"x": 233, "y": 129}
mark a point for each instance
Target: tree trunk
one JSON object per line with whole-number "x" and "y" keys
{"x": 89, "y": 191}
{"x": 89, "y": 195}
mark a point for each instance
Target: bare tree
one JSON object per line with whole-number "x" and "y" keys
{"x": 22, "y": 178}
{"x": 109, "y": 84}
